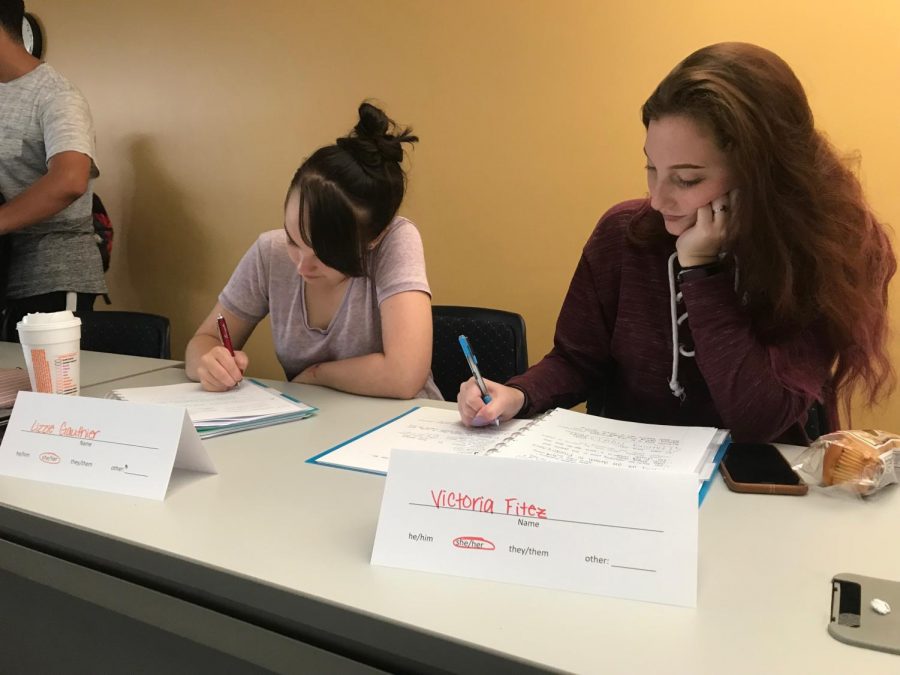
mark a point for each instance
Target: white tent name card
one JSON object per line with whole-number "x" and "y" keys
{"x": 100, "y": 444}
{"x": 587, "y": 528}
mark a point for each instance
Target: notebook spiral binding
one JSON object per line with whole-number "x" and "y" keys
{"x": 514, "y": 435}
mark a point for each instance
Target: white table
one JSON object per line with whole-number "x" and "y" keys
{"x": 95, "y": 367}
{"x": 280, "y": 548}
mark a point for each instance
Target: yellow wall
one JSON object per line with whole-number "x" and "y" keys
{"x": 528, "y": 113}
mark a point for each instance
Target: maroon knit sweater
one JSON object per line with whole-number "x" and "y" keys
{"x": 614, "y": 334}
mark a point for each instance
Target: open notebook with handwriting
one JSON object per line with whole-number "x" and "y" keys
{"x": 250, "y": 405}
{"x": 559, "y": 435}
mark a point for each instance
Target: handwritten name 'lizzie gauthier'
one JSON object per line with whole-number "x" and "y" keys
{"x": 81, "y": 432}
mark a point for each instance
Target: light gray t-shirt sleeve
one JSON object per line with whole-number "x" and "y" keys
{"x": 247, "y": 292}
{"x": 400, "y": 262}
{"x": 68, "y": 126}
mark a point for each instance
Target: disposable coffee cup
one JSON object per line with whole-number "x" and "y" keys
{"x": 52, "y": 346}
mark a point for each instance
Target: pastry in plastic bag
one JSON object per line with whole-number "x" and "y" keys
{"x": 862, "y": 461}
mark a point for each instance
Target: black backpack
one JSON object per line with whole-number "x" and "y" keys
{"x": 5, "y": 243}
{"x": 103, "y": 231}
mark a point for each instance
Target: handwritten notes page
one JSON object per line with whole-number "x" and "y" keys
{"x": 592, "y": 529}
{"x": 567, "y": 436}
{"x": 561, "y": 435}
{"x": 427, "y": 429}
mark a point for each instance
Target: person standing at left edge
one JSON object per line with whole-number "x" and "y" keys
{"x": 46, "y": 170}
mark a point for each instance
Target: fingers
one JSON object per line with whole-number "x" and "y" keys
{"x": 219, "y": 370}
{"x": 702, "y": 243}
{"x": 704, "y": 217}
{"x": 714, "y": 215}
{"x": 711, "y": 226}
{"x": 720, "y": 206}
{"x": 505, "y": 403}
{"x": 497, "y": 410}
{"x": 721, "y": 209}
{"x": 490, "y": 413}
{"x": 468, "y": 401}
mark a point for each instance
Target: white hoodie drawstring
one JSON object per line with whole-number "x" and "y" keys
{"x": 678, "y": 349}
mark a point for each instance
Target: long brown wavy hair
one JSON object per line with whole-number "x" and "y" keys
{"x": 811, "y": 253}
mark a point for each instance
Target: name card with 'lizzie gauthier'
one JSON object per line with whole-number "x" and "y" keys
{"x": 100, "y": 444}
{"x": 586, "y": 528}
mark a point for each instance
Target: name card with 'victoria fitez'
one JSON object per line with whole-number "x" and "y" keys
{"x": 100, "y": 444}
{"x": 586, "y": 528}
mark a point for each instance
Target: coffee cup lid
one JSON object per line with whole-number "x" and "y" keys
{"x": 49, "y": 320}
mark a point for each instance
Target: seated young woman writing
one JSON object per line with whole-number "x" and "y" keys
{"x": 750, "y": 285}
{"x": 344, "y": 281}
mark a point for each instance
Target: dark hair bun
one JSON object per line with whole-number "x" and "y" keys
{"x": 376, "y": 139}
{"x": 373, "y": 123}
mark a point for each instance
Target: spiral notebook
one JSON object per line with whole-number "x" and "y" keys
{"x": 250, "y": 405}
{"x": 559, "y": 435}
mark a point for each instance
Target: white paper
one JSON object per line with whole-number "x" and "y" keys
{"x": 560, "y": 436}
{"x": 593, "y": 529}
{"x": 191, "y": 455}
{"x": 101, "y": 444}
{"x": 249, "y": 400}
{"x": 426, "y": 429}
{"x": 568, "y": 436}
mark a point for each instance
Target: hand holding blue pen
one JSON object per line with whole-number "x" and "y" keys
{"x": 473, "y": 366}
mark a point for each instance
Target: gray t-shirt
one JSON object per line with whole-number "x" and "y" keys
{"x": 41, "y": 115}
{"x": 266, "y": 282}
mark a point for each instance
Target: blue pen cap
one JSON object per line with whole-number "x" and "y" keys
{"x": 467, "y": 350}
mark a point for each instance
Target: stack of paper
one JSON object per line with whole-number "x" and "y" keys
{"x": 248, "y": 406}
{"x": 566, "y": 436}
{"x": 557, "y": 436}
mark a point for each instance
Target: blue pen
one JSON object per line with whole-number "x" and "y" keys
{"x": 473, "y": 366}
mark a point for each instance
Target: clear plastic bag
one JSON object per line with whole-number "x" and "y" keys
{"x": 860, "y": 462}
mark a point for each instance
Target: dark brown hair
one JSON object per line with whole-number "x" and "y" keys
{"x": 810, "y": 251}
{"x": 11, "y": 14}
{"x": 351, "y": 190}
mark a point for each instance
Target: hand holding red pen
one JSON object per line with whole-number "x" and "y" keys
{"x": 222, "y": 368}
{"x": 226, "y": 336}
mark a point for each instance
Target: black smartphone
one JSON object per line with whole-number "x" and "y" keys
{"x": 760, "y": 468}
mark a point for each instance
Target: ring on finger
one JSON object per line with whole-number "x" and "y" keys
{"x": 722, "y": 208}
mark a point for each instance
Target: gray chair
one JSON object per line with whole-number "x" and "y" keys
{"x": 497, "y": 337}
{"x": 130, "y": 333}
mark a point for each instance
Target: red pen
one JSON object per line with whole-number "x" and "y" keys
{"x": 226, "y": 336}
{"x": 223, "y": 332}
